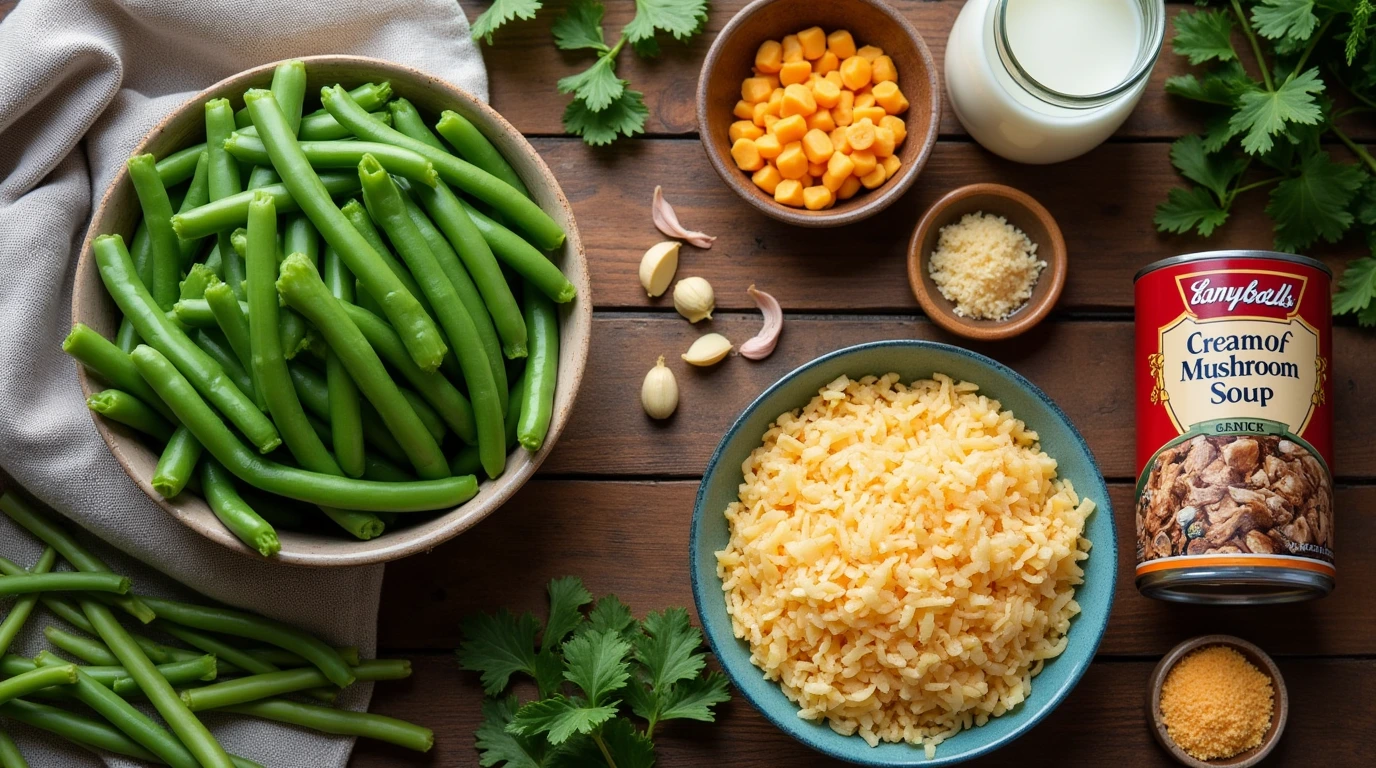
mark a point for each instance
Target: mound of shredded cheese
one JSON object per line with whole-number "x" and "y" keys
{"x": 985, "y": 266}
{"x": 903, "y": 559}
{"x": 1215, "y": 703}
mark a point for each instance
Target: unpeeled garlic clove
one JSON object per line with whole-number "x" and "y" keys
{"x": 694, "y": 299}
{"x": 708, "y": 350}
{"x": 659, "y": 391}
{"x": 762, "y": 344}
{"x": 658, "y": 265}
{"x": 667, "y": 221}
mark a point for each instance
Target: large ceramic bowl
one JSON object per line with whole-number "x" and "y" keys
{"x": 911, "y": 360}
{"x": 119, "y": 212}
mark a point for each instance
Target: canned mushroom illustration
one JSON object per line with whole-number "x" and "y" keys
{"x": 1234, "y": 428}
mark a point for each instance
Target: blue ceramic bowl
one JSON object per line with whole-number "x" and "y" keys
{"x": 911, "y": 360}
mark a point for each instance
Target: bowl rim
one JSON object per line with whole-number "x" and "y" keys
{"x": 512, "y": 481}
{"x": 875, "y": 200}
{"x": 790, "y": 725}
{"x": 1057, "y": 264}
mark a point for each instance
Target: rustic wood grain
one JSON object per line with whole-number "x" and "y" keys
{"x": 1103, "y": 202}
{"x": 1086, "y": 366}
{"x": 631, "y": 539}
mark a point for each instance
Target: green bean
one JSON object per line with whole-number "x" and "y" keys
{"x": 232, "y": 511}
{"x": 23, "y": 606}
{"x": 284, "y": 658}
{"x": 542, "y": 320}
{"x": 303, "y": 289}
{"x": 224, "y": 214}
{"x": 468, "y": 293}
{"x": 180, "y": 165}
{"x": 214, "y": 344}
{"x": 468, "y": 177}
{"x": 197, "y": 313}
{"x": 197, "y": 194}
{"x": 340, "y": 722}
{"x": 197, "y": 279}
{"x": 345, "y": 412}
{"x": 417, "y": 330}
{"x": 126, "y": 338}
{"x": 314, "y": 393}
{"x": 224, "y": 180}
{"x": 190, "y": 730}
{"x": 72, "y": 551}
{"x": 73, "y": 727}
{"x": 266, "y": 685}
{"x": 68, "y": 612}
{"x": 85, "y": 649}
{"x": 358, "y": 216}
{"x": 110, "y": 363}
{"x": 37, "y": 679}
{"x": 513, "y": 411}
{"x": 176, "y": 464}
{"x": 299, "y": 236}
{"x": 452, "y": 406}
{"x": 10, "y": 756}
{"x": 342, "y": 154}
{"x": 311, "y": 487}
{"x": 114, "y": 677}
{"x": 521, "y": 256}
{"x": 157, "y": 330}
{"x": 64, "y": 581}
{"x": 233, "y": 323}
{"x": 320, "y": 125}
{"x": 384, "y": 201}
{"x": 128, "y": 410}
{"x": 377, "y": 468}
{"x": 407, "y": 120}
{"x": 482, "y": 266}
{"x": 474, "y": 147}
{"x": 289, "y": 86}
{"x": 157, "y": 213}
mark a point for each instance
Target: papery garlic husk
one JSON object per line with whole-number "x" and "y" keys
{"x": 659, "y": 391}
{"x": 667, "y": 221}
{"x": 762, "y": 344}
{"x": 708, "y": 350}
{"x": 658, "y": 265}
{"x": 694, "y": 299}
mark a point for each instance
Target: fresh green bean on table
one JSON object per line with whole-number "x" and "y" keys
{"x": 83, "y": 730}
{"x": 128, "y": 410}
{"x": 224, "y": 183}
{"x": 22, "y": 607}
{"x": 268, "y": 684}
{"x": 110, "y": 363}
{"x": 10, "y": 756}
{"x": 180, "y": 165}
{"x": 344, "y": 723}
{"x": 236, "y": 515}
{"x": 197, "y": 279}
{"x": 474, "y": 147}
{"x": 176, "y": 464}
{"x": 344, "y": 405}
{"x": 299, "y": 236}
{"x": 342, "y": 154}
{"x": 157, "y": 215}
{"x": 35, "y": 680}
{"x": 321, "y": 125}
{"x": 224, "y": 214}
{"x": 197, "y": 194}
{"x": 64, "y": 581}
{"x": 83, "y": 648}
{"x": 289, "y": 86}
{"x": 521, "y": 256}
{"x": 357, "y": 215}
{"x": 216, "y": 346}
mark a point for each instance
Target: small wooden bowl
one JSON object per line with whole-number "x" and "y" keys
{"x": 870, "y": 22}
{"x": 1279, "y": 711}
{"x": 1022, "y": 212}
{"x": 119, "y": 211}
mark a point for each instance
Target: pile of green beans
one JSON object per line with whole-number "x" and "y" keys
{"x": 233, "y": 661}
{"x": 326, "y": 313}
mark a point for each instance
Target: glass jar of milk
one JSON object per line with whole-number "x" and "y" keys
{"x": 1041, "y": 81}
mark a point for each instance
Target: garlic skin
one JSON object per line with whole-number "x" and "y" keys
{"x": 708, "y": 350}
{"x": 762, "y": 344}
{"x": 667, "y": 222}
{"x": 659, "y": 391}
{"x": 658, "y": 265}
{"x": 694, "y": 299}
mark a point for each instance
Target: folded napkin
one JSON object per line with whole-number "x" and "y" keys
{"x": 81, "y": 81}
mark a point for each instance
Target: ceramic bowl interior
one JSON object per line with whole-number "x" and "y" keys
{"x": 870, "y": 22}
{"x": 119, "y": 212}
{"x": 1020, "y": 210}
{"x": 911, "y": 360}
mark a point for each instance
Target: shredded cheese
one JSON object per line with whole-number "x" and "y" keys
{"x": 985, "y": 266}
{"x": 1216, "y": 704}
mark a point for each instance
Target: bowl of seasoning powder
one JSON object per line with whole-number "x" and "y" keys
{"x": 987, "y": 262}
{"x": 1217, "y": 700}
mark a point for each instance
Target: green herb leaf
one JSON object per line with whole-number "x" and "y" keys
{"x": 628, "y": 747}
{"x": 580, "y": 27}
{"x": 498, "y": 646}
{"x": 1357, "y": 29}
{"x": 623, "y": 117}
{"x": 567, "y": 596}
{"x": 597, "y": 664}
{"x": 1262, "y": 114}
{"x": 611, "y": 615}
{"x": 1215, "y": 171}
{"x": 668, "y": 648}
{"x": 1218, "y": 131}
{"x": 499, "y": 13}
{"x": 1204, "y": 35}
{"x": 597, "y": 86}
{"x": 680, "y": 18}
{"x": 693, "y": 699}
{"x": 1291, "y": 19}
{"x": 548, "y": 672}
{"x": 1190, "y": 208}
{"x": 498, "y": 746}
{"x": 1356, "y": 287}
{"x": 559, "y": 718}
{"x": 1315, "y": 203}
{"x": 1221, "y": 85}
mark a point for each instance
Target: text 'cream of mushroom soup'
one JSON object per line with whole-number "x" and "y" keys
{"x": 1234, "y": 428}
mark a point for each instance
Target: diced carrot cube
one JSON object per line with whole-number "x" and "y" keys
{"x": 891, "y": 165}
{"x": 838, "y": 140}
{"x": 792, "y": 49}
{"x": 816, "y": 198}
{"x": 755, "y": 89}
{"x": 790, "y": 129}
{"x": 874, "y": 178}
{"x": 883, "y": 142}
{"x": 873, "y": 114}
{"x": 794, "y": 72}
{"x": 744, "y": 110}
{"x": 761, "y": 110}
{"x": 817, "y": 147}
{"x": 792, "y": 163}
{"x": 848, "y": 188}
{"x": 744, "y": 129}
{"x": 855, "y": 72}
{"x": 767, "y": 178}
{"x": 828, "y": 63}
{"x": 789, "y": 192}
{"x": 814, "y": 42}
{"x": 826, "y": 93}
{"x": 768, "y": 146}
{"x": 860, "y": 134}
{"x": 844, "y": 111}
{"x": 895, "y": 124}
{"x": 821, "y": 120}
{"x": 870, "y": 52}
{"x": 882, "y": 70}
{"x": 888, "y": 96}
{"x": 864, "y": 161}
{"x": 746, "y": 156}
{"x": 769, "y": 57}
{"x": 798, "y": 100}
{"x": 841, "y": 43}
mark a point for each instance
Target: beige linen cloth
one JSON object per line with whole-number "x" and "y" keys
{"x": 81, "y": 81}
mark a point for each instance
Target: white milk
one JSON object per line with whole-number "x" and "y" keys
{"x": 1082, "y": 66}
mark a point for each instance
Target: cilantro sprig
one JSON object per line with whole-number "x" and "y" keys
{"x": 590, "y": 667}
{"x": 1267, "y": 130}
{"x": 604, "y": 107}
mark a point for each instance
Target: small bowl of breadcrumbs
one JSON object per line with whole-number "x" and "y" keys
{"x": 1217, "y": 700}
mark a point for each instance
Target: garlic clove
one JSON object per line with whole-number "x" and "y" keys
{"x": 658, "y": 265}
{"x": 708, "y": 350}
{"x": 762, "y": 344}
{"x": 659, "y": 391}
{"x": 667, "y": 221}
{"x": 694, "y": 299}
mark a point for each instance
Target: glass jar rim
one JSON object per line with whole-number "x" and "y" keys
{"x": 1153, "y": 34}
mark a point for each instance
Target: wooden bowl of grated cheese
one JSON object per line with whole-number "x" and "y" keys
{"x": 987, "y": 262}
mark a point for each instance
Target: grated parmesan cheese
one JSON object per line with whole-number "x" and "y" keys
{"x": 1216, "y": 704}
{"x": 985, "y": 266}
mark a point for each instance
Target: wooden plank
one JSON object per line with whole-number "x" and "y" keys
{"x": 1085, "y": 366}
{"x": 1102, "y": 722}
{"x": 631, "y": 539}
{"x": 1103, "y": 201}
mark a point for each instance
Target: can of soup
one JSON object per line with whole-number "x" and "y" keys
{"x": 1234, "y": 428}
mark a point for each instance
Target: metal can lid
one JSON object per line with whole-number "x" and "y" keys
{"x": 1233, "y": 254}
